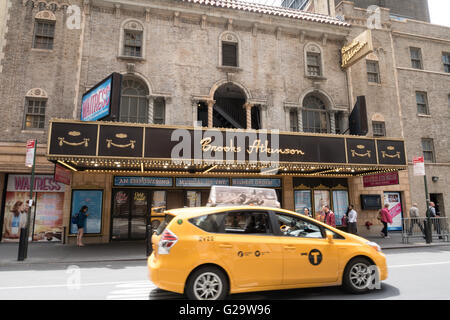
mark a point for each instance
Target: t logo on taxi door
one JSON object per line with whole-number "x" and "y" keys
{"x": 315, "y": 257}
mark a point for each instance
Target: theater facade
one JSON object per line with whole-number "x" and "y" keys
{"x": 210, "y": 93}
{"x": 127, "y": 172}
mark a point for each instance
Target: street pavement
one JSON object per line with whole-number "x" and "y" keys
{"x": 414, "y": 273}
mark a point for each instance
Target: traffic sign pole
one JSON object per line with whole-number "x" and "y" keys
{"x": 24, "y": 232}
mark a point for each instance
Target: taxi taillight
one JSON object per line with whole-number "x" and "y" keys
{"x": 166, "y": 242}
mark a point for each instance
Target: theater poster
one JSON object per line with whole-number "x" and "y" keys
{"x": 395, "y": 210}
{"x": 46, "y": 216}
{"x": 93, "y": 199}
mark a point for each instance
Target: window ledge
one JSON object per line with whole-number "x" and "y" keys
{"x": 41, "y": 50}
{"x": 423, "y": 115}
{"x": 316, "y": 78}
{"x": 33, "y": 131}
{"x": 375, "y": 84}
{"x": 131, "y": 58}
{"x": 229, "y": 68}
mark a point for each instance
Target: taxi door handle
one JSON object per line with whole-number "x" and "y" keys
{"x": 225, "y": 246}
{"x": 290, "y": 247}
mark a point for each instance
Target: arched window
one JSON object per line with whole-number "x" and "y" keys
{"x": 44, "y": 30}
{"x": 35, "y": 109}
{"x": 313, "y": 61}
{"x": 132, "y": 39}
{"x": 134, "y": 103}
{"x": 315, "y": 116}
{"x": 229, "y": 50}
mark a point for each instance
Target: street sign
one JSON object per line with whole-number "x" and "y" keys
{"x": 29, "y": 159}
{"x": 419, "y": 166}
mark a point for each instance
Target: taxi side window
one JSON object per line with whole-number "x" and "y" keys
{"x": 293, "y": 226}
{"x": 247, "y": 222}
{"x": 209, "y": 222}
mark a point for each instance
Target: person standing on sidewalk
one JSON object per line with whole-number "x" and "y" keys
{"x": 414, "y": 216}
{"x": 328, "y": 216}
{"x": 81, "y": 223}
{"x": 385, "y": 218}
{"x": 435, "y": 218}
{"x": 352, "y": 218}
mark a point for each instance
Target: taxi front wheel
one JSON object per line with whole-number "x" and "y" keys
{"x": 207, "y": 283}
{"x": 358, "y": 276}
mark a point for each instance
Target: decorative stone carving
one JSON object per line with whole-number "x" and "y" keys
{"x": 37, "y": 93}
{"x": 46, "y": 15}
{"x": 147, "y": 15}
{"x": 133, "y": 25}
{"x": 229, "y": 37}
{"x": 313, "y": 48}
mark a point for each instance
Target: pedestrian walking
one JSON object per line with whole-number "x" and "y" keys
{"x": 385, "y": 218}
{"x": 414, "y": 219}
{"x": 81, "y": 217}
{"x": 352, "y": 219}
{"x": 328, "y": 216}
{"x": 435, "y": 218}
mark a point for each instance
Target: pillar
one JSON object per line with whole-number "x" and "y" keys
{"x": 210, "y": 112}
{"x": 248, "y": 111}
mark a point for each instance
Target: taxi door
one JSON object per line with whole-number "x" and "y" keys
{"x": 249, "y": 249}
{"x": 307, "y": 255}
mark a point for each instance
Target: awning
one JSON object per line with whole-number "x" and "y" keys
{"x": 125, "y": 147}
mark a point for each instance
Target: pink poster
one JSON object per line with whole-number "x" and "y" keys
{"x": 395, "y": 210}
{"x": 46, "y": 215}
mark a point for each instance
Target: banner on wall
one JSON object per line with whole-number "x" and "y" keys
{"x": 395, "y": 210}
{"x": 46, "y": 215}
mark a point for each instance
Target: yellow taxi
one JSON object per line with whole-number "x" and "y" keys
{"x": 211, "y": 252}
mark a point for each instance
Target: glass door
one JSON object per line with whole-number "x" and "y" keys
{"x": 120, "y": 215}
{"x": 193, "y": 199}
{"x": 130, "y": 214}
{"x": 139, "y": 215}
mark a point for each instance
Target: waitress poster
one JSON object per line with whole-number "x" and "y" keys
{"x": 395, "y": 210}
{"x": 93, "y": 199}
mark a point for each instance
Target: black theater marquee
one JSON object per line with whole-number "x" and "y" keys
{"x": 114, "y": 146}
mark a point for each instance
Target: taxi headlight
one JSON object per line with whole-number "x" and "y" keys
{"x": 374, "y": 245}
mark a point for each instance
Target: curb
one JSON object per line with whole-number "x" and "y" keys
{"x": 27, "y": 263}
{"x": 416, "y": 246}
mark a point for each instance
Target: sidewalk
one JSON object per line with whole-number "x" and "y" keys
{"x": 64, "y": 253}
{"x": 395, "y": 242}
{"x": 42, "y": 253}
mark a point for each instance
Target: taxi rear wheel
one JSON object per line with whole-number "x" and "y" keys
{"x": 207, "y": 283}
{"x": 358, "y": 276}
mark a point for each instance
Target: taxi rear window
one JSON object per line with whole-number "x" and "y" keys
{"x": 164, "y": 223}
{"x": 209, "y": 222}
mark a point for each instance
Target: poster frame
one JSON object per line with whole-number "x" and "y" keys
{"x": 70, "y": 233}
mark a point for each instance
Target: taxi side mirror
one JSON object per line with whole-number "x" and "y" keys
{"x": 330, "y": 237}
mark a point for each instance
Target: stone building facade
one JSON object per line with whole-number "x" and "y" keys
{"x": 415, "y": 85}
{"x": 177, "y": 71}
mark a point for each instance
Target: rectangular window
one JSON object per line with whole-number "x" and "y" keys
{"x": 313, "y": 64}
{"x": 293, "y": 119}
{"x": 373, "y": 72}
{"x": 159, "y": 111}
{"x": 422, "y": 103}
{"x": 229, "y": 54}
{"x": 133, "y": 44}
{"x": 379, "y": 129}
{"x": 44, "y": 33}
{"x": 428, "y": 150}
{"x": 247, "y": 222}
{"x": 446, "y": 62}
{"x": 416, "y": 58}
{"x": 34, "y": 114}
